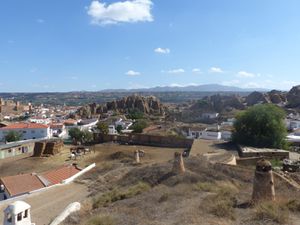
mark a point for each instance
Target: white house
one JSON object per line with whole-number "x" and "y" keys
{"x": 226, "y": 135}
{"x": 208, "y": 133}
{"x": 27, "y": 130}
{"x": 213, "y": 115}
{"x": 124, "y": 124}
{"x": 39, "y": 119}
{"x": 292, "y": 124}
{"x": 112, "y": 130}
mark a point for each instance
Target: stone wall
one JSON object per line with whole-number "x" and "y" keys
{"x": 145, "y": 139}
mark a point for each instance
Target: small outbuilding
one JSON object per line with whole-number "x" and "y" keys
{"x": 17, "y": 213}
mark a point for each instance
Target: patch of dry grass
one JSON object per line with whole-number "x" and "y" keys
{"x": 101, "y": 220}
{"x": 272, "y": 211}
{"x": 117, "y": 194}
{"x": 222, "y": 202}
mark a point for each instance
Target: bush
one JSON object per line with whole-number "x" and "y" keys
{"x": 12, "y": 136}
{"x": 135, "y": 114}
{"x": 102, "y": 127}
{"x": 261, "y": 126}
{"x": 139, "y": 126}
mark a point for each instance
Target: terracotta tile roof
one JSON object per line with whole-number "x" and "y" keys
{"x": 58, "y": 175}
{"x": 21, "y": 184}
{"x": 70, "y": 121}
{"x": 24, "y": 126}
{"x": 56, "y": 125}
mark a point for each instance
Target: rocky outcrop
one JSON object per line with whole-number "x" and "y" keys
{"x": 147, "y": 105}
{"x": 293, "y": 97}
{"x": 219, "y": 103}
{"x": 257, "y": 98}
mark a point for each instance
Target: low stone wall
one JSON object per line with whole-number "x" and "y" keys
{"x": 248, "y": 161}
{"x": 145, "y": 139}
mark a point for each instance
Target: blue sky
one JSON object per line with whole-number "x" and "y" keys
{"x": 79, "y": 45}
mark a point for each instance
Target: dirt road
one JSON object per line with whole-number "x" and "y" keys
{"x": 48, "y": 204}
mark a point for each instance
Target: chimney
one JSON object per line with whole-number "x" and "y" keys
{"x": 263, "y": 183}
{"x": 137, "y": 156}
{"x": 178, "y": 165}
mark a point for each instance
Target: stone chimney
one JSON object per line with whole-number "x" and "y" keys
{"x": 178, "y": 165}
{"x": 137, "y": 156}
{"x": 263, "y": 184}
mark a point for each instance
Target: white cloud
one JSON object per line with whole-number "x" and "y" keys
{"x": 196, "y": 70}
{"x": 132, "y": 73}
{"x": 129, "y": 11}
{"x": 175, "y": 71}
{"x": 244, "y": 74}
{"x": 216, "y": 70}
{"x": 162, "y": 50}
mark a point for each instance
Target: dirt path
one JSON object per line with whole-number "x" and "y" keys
{"x": 48, "y": 204}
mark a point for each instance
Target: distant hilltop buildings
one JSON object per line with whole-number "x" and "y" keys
{"x": 11, "y": 107}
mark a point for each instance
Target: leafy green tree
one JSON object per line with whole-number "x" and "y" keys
{"x": 12, "y": 136}
{"x": 139, "y": 126}
{"x": 135, "y": 114}
{"x": 76, "y": 134}
{"x": 102, "y": 127}
{"x": 87, "y": 136}
{"x": 261, "y": 126}
{"x": 119, "y": 128}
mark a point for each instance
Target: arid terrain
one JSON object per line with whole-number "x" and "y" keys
{"x": 120, "y": 191}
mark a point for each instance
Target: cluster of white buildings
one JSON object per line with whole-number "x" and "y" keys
{"x": 124, "y": 124}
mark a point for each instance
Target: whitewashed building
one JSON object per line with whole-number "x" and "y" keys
{"x": 112, "y": 130}
{"x": 212, "y": 133}
{"x": 27, "y": 130}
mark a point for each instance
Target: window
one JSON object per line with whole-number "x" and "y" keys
{"x": 26, "y": 213}
{"x": 24, "y": 132}
{"x": 19, "y": 216}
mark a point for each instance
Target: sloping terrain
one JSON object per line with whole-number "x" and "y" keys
{"x": 206, "y": 193}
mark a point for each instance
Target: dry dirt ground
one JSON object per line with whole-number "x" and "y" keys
{"x": 121, "y": 192}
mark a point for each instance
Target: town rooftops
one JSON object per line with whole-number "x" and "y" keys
{"x": 58, "y": 175}
{"x": 21, "y": 184}
{"x": 24, "y": 126}
{"x": 24, "y": 183}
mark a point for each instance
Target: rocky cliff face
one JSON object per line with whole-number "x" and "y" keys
{"x": 293, "y": 97}
{"x": 219, "y": 103}
{"x": 147, "y": 105}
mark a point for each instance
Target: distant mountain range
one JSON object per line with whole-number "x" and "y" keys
{"x": 196, "y": 88}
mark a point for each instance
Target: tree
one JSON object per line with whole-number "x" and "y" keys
{"x": 139, "y": 126}
{"x": 102, "y": 127}
{"x": 135, "y": 114}
{"x": 76, "y": 134}
{"x": 261, "y": 126}
{"x": 12, "y": 136}
{"x": 87, "y": 136}
{"x": 119, "y": 128}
